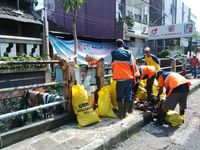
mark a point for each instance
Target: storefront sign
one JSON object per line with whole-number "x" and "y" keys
{"x": 171, "y": 31}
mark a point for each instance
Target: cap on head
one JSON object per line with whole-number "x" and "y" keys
{"x": 119, "y": 43}
{"x": 147, "y": 49}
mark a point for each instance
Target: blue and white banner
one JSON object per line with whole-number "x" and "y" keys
{"x": 97, "y": 50}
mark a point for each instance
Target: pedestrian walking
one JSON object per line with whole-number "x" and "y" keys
{"x": 177, "y": 89}
{"x": 123, "y": 73}
{"x": 194, "y": 64}
{"x": 150, "y": 59}
{"x": 149, "y": 73}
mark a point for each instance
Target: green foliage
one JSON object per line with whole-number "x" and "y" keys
{"x": 71, "y": 5}
{"x": 164, "y": 53}
{"x": 173, "y": 42}
{"x": 128, "y": 20}
{"x": 196, "y": 35}
{"x": 22, "y": 58}
{"x": 107, "y": 81}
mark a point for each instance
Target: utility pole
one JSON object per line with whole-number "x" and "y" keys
{"x": 190, "y": 47}
{"x": 46, "y": 45}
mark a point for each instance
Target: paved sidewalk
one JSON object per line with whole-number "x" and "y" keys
{"x": 98, "y": 136}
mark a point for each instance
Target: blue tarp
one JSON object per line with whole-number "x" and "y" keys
{"x": 97, "y": 50}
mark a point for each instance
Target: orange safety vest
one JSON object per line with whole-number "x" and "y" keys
{"x": 174, "y": 80}
{"x": 121, "y": 67}
{"x": 147, "y": 71}
{"x": 121, "y": 70}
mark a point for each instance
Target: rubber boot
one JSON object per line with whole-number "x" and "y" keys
{"x": 125, "y": 109}
{"x": 161, "y": 116}
{"x": 130, "y": 107}
{"x": 182, "y": 114}
{"x": 120, "y": 110}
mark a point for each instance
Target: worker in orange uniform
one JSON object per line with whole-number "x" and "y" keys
{"x": 149, "y": 73}
{"x": 123, "y": 73}
{"x": 150, "y": 59}
{"x": 177, "y": 89}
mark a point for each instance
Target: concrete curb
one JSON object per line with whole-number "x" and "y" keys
{"x": 128, "y": 128}
{"x": 194, "y": 89}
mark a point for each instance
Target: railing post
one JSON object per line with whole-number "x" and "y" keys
{"x": 100, "y": 74}
{"x": 184, "y": 68}
{"x": 69, "y": 75}
{"x": 173, "y": 64}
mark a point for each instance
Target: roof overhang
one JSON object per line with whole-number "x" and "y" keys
{"x": 20, "y": 19}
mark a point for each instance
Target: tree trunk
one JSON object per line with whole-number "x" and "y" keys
{"x": 75, "y": 35}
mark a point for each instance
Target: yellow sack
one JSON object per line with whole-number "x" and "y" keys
{"x": 173, "y": 118}
{"x": 143, "y": 82}
{"x": 84, "y": 112}
{"x": 156, "y": 88}
{"x": 104, "y": 108}
{"x": 141, "y": 93}
{"x": 113, "y": 94}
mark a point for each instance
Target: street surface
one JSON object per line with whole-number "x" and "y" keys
{"x": 185, "y": 137}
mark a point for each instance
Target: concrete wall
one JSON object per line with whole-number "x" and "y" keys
{"x": 96, "y": 18}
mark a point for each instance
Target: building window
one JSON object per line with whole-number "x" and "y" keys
{"x": 145, "y": 19}
{"x": 138, "y": 18}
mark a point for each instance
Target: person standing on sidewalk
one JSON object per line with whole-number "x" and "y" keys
{"x": 149, "y": 73}
{"x": 177, "y": 89}
{"x": 194, "y": 63}
{"x": 123, "y": 73}
{"x": 150, "y": 59}
{"x": 135, "y": 82}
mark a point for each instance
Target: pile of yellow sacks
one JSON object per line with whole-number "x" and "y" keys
{"x": 84, "y": 111}
{"x": 141, "y": 93}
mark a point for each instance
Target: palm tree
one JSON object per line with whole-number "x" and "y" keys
{"x": 73, "y": 6}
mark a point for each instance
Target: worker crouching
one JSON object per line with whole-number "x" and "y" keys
{"x": 177, "y": 89}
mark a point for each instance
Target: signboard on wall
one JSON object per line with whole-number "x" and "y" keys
{"x": 171, "y": 31}
{"x": 184, "y": 42}
{"x": 94, "y": 49}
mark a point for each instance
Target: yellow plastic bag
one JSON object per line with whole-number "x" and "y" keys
{"x": 156, "y": 88}
{"x": 173, "y": 118}
{"x": 104, "y": 108}
{"x": 84, "y": 112}
{"x": 141, "y": 93}
{"x": 113, "y": 94}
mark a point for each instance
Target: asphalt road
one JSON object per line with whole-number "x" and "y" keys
{"x": 185, "y": 137}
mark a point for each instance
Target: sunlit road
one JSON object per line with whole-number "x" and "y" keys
{"x": 185, "y": 137}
